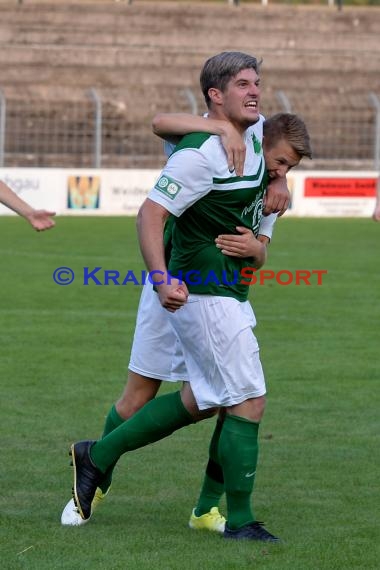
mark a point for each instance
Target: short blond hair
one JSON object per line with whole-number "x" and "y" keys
{"x": 291, "y": 128}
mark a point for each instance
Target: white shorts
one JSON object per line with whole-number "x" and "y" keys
{"x": 221, "y": 352}
{"x": 156, "y": 351}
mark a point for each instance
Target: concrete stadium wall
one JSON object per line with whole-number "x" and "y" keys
{"x": 143, "y": 55}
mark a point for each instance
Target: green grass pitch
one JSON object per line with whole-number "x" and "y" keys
{"x": 64, "y": 354}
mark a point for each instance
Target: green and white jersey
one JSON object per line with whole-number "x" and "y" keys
{"x": 207, "y": 200}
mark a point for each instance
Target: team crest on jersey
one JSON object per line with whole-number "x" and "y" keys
{"x": 256, "y": 144}
{"x": 168, "y": 186}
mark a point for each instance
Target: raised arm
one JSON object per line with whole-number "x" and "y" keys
{"x": 39, "y": 219}
{"x": 173, "y": 126}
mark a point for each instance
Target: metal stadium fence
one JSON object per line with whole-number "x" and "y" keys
{"x": 96, "y": 131}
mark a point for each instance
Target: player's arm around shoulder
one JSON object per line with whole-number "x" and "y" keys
{"x": 173, "y": 126}
{"x": 277, "y": 197}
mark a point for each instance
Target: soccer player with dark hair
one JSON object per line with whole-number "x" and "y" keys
{"x": 214, "y": 323}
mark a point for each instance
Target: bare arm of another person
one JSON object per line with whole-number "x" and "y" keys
{"x": 39, "y": 219}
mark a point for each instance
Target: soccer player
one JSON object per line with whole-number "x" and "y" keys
{"x": 155, "y": 356}
{"x": 376, "y": 211}
{"x": 40, "y": 220}
{"x": 232, "y": 93}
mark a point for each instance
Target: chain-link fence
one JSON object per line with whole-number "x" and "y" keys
{"x": 96, "y": 131}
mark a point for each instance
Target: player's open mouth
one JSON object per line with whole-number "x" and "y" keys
{"x": 251, "y": 104}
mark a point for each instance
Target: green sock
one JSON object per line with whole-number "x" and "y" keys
{"x": 238, "y": 451}
{"x": 113, "y": 420}
{"x": 213, "y": 482}
{"x": 156, "y": 420}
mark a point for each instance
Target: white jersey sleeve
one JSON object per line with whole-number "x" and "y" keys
{"x": 186, "y": 178}
{"x": 267, "y": 225}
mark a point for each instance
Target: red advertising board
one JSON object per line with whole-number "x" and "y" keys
{"x": 340, "y": 187}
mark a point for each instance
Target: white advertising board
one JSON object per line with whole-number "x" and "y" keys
{"x": 121, "y": 192}
{"x": 332, "y": 193}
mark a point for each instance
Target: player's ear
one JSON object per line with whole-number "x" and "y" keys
{"x": 216, "y": 96}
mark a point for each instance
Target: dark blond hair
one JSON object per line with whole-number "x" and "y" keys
{"x": 290, "y": 128}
